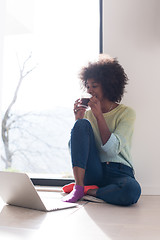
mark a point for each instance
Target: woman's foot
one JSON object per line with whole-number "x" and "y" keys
{"x": 89, "y": 188}
{"x": 76, "y": 194}
{"x": 69, "y": 187}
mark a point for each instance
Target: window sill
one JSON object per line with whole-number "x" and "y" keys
{"x": 51, "y": 181}
{"x": 48, "y": 189}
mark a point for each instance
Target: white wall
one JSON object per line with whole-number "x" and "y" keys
{"x": 132, "y": 34}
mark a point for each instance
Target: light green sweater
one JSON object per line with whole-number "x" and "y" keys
{"x": 120, "y": 122}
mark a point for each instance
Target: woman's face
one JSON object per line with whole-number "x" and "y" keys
{"x": 95, "y": 89}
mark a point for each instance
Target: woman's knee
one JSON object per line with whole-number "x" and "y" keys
{"x": 81, "y": 126}
{"x": 82, "y": 123}
{"x": 132, "y": 191}
{"x": 124, "y": 193}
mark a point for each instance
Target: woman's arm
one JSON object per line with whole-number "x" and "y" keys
{"x": 121, "y": 137}
{"x": 104, "y": 131}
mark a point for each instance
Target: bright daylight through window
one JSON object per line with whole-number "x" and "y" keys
{"x": 46, "y": 43}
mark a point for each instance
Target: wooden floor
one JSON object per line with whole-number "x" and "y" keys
{"x": 99, "y": 221}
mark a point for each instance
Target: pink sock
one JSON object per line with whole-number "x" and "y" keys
{"x": 76, "y": 194}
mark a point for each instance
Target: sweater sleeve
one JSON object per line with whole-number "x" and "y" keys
{"x": 122, "y": 134}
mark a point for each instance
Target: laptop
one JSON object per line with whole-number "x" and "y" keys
{"x": 18, "y": 190}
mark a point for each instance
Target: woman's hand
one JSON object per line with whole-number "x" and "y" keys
{"x": 78, "y": 110}
{"x": 95, "y": 106}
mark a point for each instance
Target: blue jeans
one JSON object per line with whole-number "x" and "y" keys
{"x": 116, "y": 181}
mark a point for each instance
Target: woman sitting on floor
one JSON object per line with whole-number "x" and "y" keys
{"x": 101, "y": 137}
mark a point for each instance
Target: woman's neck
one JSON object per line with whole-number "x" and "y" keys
{"x": 107, "y": 106}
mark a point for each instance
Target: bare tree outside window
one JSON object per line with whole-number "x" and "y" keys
{"x": 21, "y": 138}
{"x": 10, "y": 119}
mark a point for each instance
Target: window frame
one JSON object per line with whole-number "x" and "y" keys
{"x": 62, "y": 181}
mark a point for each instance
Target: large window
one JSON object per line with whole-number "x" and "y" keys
{"x": 46, "y": 43}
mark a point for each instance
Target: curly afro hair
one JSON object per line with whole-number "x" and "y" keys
{"x": 110, "y": 74}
